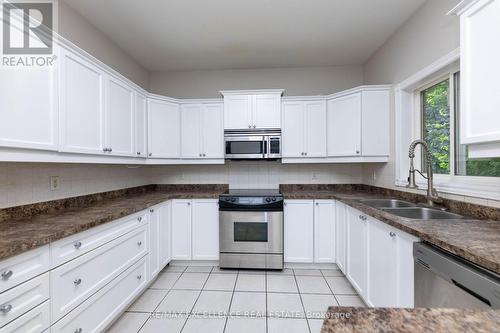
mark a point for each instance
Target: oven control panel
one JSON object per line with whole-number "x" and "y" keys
{"x": 251, "y": 202}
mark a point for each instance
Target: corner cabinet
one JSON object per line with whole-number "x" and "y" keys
{"x": 304, "y": 129}
{"x": 202, "y": 131}
{"x": 479, "y": 72}
{"x": 358, "y": 122}
{"x": 164, "y": 129}
{"x": 252, "y": 109}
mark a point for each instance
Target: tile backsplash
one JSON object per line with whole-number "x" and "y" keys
{"x": 24, "y": 183}
{"x": 258, "y": 174}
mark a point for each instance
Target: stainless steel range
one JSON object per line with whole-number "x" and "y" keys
{"x": 251, "y": 229}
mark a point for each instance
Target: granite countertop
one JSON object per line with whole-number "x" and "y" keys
{"x": 473, "y": 239}
{"x": 21, "y": 234}
{"x": 354, "y": 320}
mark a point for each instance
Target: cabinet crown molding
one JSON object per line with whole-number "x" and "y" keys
{"x": 462, "y": 6}
{"x": 252, "y": 92}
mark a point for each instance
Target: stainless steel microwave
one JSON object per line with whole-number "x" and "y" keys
{"x": 248, "y": 145}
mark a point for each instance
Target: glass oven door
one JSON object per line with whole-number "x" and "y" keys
{"x": 251, "y": 232}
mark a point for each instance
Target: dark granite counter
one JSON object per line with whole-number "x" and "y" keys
{"x": 354, "y": 320}
{"x": 26, "y": 227}
{"x": 471, "y": 238}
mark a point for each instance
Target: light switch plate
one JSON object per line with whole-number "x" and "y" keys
{"x": 54, "y": 183}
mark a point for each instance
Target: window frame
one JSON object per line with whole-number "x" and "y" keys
{"x": 408, "y": 128}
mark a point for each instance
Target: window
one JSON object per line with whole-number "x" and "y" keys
{"x": 440, "y": 115}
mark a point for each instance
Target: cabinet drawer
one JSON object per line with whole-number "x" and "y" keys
{"x": 102, "y": 308}
{"x": 74, "y": 246}
{"x": 23, "y": 267}
{"x": 16, "y": 301}
{"x": 34, "y": 321}
{"x": 74, "y": 282}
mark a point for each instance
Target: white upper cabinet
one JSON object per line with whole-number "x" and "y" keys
{"x": 202, "y": 131}
{"x": 81, "y": 105}
{"x": 358, "y": 123}
{"x": 479, "y": 72}
{"x": 29, "y": 108}
{"x": 252, "y": 109}
{"x": 304, "y": 129}
{"x": 164, "y": 129}
{"x": 141, "y": 125}
{"x": 120, "y": 118}
{"x": 344, "y": 126}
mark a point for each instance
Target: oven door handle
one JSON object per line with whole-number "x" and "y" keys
{"x": 265, "y": 145}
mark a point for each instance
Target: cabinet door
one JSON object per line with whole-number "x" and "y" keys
{"x": 356, "y": 251}
{"x": 298, "y": 231}
{"x": 344, "y": 126}
{"x": 293, "y": 129}
{"x": 82, "y": 106}
{"x": 164, "y": 129}
{"x": 382, "y": 265}
{"x": 154, "y": 241}
{"x": 324, "y": 231}
{"x": 237, "y": 112}
{"x": 213, "y": 131}
{"x": 29, "y": 107}
{"x": 141, "y": 125}
{"x": 375, "y": 123}
{"x": 165, "y": 231}
{"x": 191, "y": 124}
{"x": 205, "y": 229}
{"x": 480, "y": 51}
{"x": 181, "y": 229}
{"x": 266, "y": 111}
{"x": 315, "y": 128}
{"x": 119, "y": 118}
{"x": 341, "y": 235}
{"x": 405, "y": 277}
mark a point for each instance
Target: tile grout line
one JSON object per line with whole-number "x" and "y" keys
{"x": 196, "y": 301}
{"x": 231, "y": 301}
{"x": 267, "y": 319}
{"x": 334, "y": 296}
{"x": 168, "y": 292}
{"x": 302, "y": 302}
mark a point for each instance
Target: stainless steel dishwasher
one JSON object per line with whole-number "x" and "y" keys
{"x": 443, "y": 280}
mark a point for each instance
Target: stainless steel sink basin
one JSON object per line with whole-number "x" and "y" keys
{"x": 386, "y": 203}
{"x": 422, "y": 213}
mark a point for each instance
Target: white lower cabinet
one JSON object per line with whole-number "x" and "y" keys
{"x": 78, "y": 279}
{"x": 341, "y": 235}
{"x": 195, "y": 225}
{"x": 298, "y": 231}
{"x": 34, "y": 321}
{"x": 164, "y": 248}
{"x": 357, "y": 250}
{"x": 97, "y": 312}
{"x": 159, "y": 237}
{"x": 309, "y": 231}
{"x": 324, "y": 231}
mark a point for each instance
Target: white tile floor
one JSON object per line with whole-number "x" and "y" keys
{"x": 208, "y": 299}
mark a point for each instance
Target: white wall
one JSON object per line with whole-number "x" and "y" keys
{"x": 258, "y": 174}
{"x": 78, "y": 30}
{"x": 24, "y": 183}
{"x": 295, "y": 81}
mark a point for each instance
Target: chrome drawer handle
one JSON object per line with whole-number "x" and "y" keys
{"x": 4, "y": 309}
{"x": 79, "y": 330}
{"x": 77, "y": 282}
{"x": 139, "y": 219}
{"x": 139, "y": 277}
{"x": 392, "y": 234}
{"x": 6, "y": 275}
{"x": 77, "y": 245}
{"x": 151, "y": 210}
{"x": 139, "y": 243}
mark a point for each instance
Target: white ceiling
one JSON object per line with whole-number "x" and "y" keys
{"x": 166, "y": 35}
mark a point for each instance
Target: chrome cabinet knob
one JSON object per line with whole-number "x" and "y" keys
{"x": 139, "y": 218}
{"x": 317, "y": 203}
{"x": 138, "y": 153}
{"x": 357, "y": 151}
{"x": 151, "y": 210}
{"x": 77, "y": 282}
{"x": 392, "y": 234}
{"x": 189, "y": 204}
{"x": 200, "y": 154}
{"x": 150, "y": 154}
{"x": 110, "y": 149}
{"x": 77, "y": 245}
{"x": 104, "y": 149}
{"x": 79, "y": 330}
{"x": 139, "y": 277}
{"x": 305, "y": 153}
{"x": 254, "y": 126}
{"x": 6, "y": 275}
{"x": 5, "y": 308}
{"x": 249, "y": 126}
{"x": 204, "y": 155}
{"x": 139, "y": 243}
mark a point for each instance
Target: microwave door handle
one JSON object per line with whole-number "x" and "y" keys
{"x": 264, "y": 146}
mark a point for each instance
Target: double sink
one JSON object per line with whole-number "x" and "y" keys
{"x": 409, "y": 210}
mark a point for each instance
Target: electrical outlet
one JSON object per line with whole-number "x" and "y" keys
{"x": 314, "y": 175}
{"x": 54, "y": 183}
